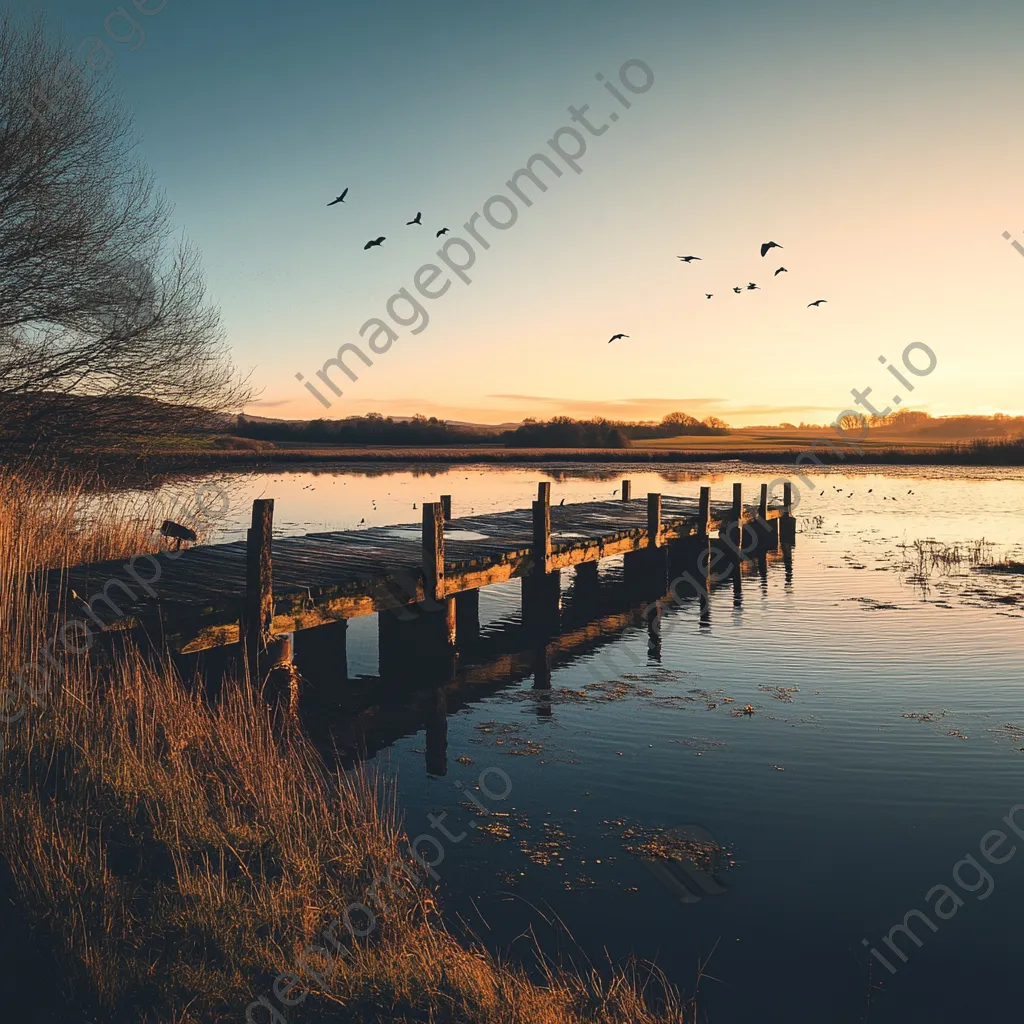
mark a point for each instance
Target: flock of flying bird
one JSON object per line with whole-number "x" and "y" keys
{"x": 766, "y": 247}
{"x": 374, "y": 243}
{"x": 417, "y": 221}
{"x": 885, "y": 497}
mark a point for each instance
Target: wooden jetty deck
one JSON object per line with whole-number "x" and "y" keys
{"x": 260, "y": 590}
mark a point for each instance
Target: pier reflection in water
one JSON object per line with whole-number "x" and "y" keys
{"x": 355, "y": 718}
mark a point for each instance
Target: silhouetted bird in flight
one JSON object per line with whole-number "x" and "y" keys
{"x": 418, "y": 219}
{"x": 709, "y": 295}
{"x": 769, "y": 245}
{"x": 443, "y": 231}
{"x": 817, "y": 302}
{"x": 752, "y": 287}
{"x": 340, "y": 198}
{"x": 737, "y": 290}
{"x": 374, "y": 242}
{"x": 781, "y": 270}
{"x": 175, "y": 531}
{"x": 689, "y": 259}
{"x": 616, "y": 337}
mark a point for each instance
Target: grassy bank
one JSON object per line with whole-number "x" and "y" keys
{"x": 177, "y": 854}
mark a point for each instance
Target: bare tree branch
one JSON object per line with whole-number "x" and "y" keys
{"x": 98, "y": 301}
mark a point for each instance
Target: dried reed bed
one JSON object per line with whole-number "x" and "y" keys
{"x": 180, "y": 854}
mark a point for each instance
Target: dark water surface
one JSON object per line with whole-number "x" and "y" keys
{"x": 886, "y": 742}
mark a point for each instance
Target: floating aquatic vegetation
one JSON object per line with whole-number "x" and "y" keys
{"x": 926, "y": 716}
{"x": 783, "y": 693}
{"x": 679, "y": 844}
{"x": 700, "y": 743}
{"x": 495, "y": 829}
{"x": 550, "y": 850}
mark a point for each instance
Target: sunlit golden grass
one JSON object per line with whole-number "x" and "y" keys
{"x": 180, "y": 854}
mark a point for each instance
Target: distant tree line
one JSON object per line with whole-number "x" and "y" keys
{"x": 370, "y": 429}
{"x": 560, "y": 432}
{"x": 565, "y": 432}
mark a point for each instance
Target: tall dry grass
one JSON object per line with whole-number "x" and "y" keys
{"x": 180, "y": 854}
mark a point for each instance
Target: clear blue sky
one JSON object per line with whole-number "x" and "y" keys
{"x": 879, "y": 142}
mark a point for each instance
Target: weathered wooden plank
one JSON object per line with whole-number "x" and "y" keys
{"x": 324, "y": 577}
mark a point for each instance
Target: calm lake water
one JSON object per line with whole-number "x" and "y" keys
{"x": 887, "y": 740}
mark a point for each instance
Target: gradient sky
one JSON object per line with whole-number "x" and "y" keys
{"x": 878, "y": 142}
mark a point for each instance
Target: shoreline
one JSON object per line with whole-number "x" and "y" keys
{"x": 181, "y": 461}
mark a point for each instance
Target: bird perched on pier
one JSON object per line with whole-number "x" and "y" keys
{"x": 175, "y": 531}
{"x": 817, "y": 302}
{"x": 616, "y": 337}
{"x": 375, "y": 242}
{"x": 689, "y": 259}
{"x": 769, "y": 245}
{"x": 418, "y": 219}
{"x": 340, "y": 198}
{"x": 781, "y": 270}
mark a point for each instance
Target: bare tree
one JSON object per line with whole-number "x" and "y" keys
{"x": 103, "y": 312}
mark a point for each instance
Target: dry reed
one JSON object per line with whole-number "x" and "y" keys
{"x": 179, "y": 854}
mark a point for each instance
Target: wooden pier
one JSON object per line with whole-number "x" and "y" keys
{"x": 424, "y": 579}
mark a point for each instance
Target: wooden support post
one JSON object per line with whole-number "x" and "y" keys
{"x": 654, "y": 520}
{"x": 542, "y": 603}
{"x": 418, "y": 646}
{"x": 467, "y": 617}
{"x": 762, "y": 506}
{"x": 258, "y": 615}
{"x": 787, "y": 525}
{"x": 541, "y": 537}
{"x": 280, "y": 681}
{"x": 417, "y": 640}
{"x": 542, "y": 593}
{"x": 735, "y": 527}
{"x": 321, "y": 654}
{"x": 446, "y": 507}
{"x": 627, "y": 490}
{"x": 704, "y": 513}
{"x": 433, "y": 551}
